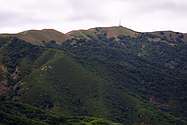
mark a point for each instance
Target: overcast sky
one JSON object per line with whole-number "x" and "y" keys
{"x": 67, "y": 15}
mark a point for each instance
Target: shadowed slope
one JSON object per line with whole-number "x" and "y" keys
{"x": 112, "y": 73}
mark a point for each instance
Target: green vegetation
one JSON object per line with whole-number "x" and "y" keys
{"x": 92, "y": 81}
{"x": 12, "y": 113}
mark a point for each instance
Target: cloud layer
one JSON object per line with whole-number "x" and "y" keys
{"x": 67, "y": 15}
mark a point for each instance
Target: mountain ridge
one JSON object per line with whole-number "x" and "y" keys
{"x": 111, "y": 73}
{"x": 47, "y": 35}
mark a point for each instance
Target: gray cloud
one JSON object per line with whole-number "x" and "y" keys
{"x": 167, "y": 5}
{"x": 66, "y": 15}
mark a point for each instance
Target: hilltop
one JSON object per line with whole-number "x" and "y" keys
{"x": 39, "y": 36}
{"x": 99, "y": 76}
{"x": 48, "y": 35}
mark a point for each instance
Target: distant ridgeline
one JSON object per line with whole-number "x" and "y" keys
{"x": 99, "y": 76}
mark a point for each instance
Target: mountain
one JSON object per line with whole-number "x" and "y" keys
{"x": 171, "y": 36}
{"x": 99, "y": 76}
{"x": 22, "y": 114}
{"x": 110, "y": 32}
{"x": 39, "y": 36}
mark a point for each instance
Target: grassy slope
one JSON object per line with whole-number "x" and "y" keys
{"x": 64, "y": 86}
{"x": 17, "y": 54}
{"x": 149, "y": 69}
{"x": 110, "y": 32}
{"x": 37, "y": 37}
{"x": 61, "y": 79}
{"x": 14, "y": 113}
{"x": 61, "y": 84}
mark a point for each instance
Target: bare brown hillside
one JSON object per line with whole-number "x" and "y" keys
{"x": 46, "y": 35}
{"x": 109, "y": 31}
{"x": 39, "y": 36}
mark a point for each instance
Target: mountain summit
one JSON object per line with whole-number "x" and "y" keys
{"x": 99, "y": 76}
{"x": 42, "y": 35}
{"x": 38, "y": 36}
{"x": 47, "y": 35}
{"x": 108, "y": 31}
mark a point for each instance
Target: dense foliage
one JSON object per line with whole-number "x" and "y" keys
{"x": 130, "y": 80}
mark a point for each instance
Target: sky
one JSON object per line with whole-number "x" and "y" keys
{"x": 67, "y": 15}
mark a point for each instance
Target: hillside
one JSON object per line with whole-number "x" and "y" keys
{"x": 12, "y": 113}
{"x": 110, "y": 32}
{"x": 171, "y": 36}
{"x": 111, "y": 73}
{"x": 39, "y": 37}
